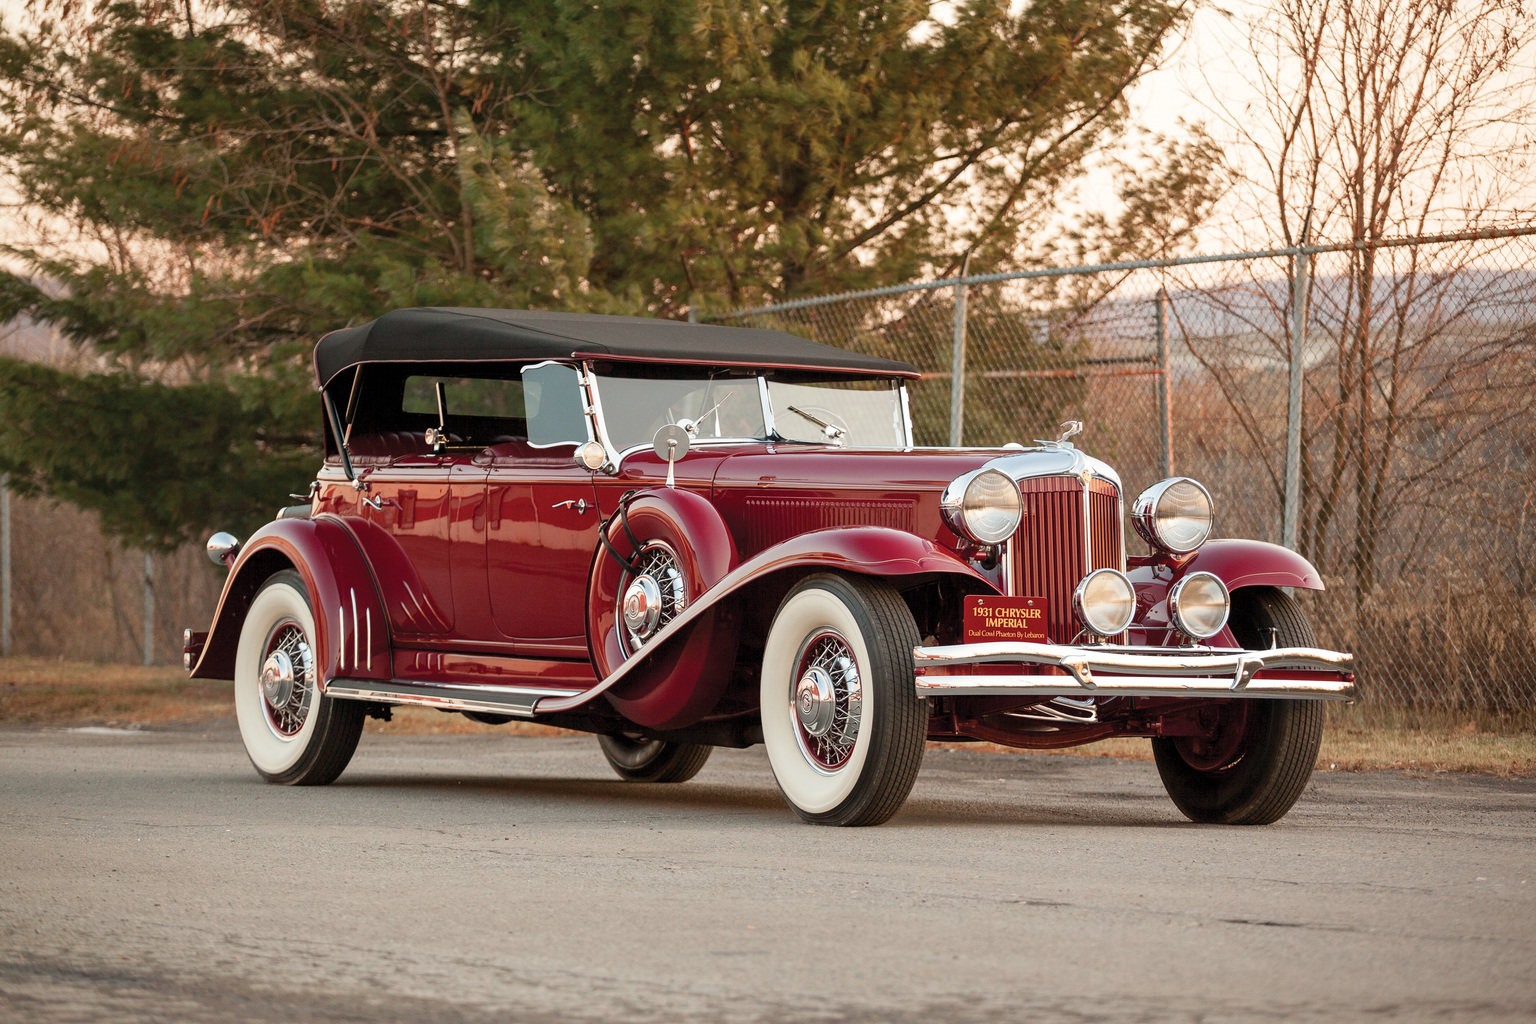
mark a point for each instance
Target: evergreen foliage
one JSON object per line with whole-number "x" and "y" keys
{"x": 248, "y": 174}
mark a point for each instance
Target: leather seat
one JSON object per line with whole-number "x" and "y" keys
{"x": 389, "y": 444}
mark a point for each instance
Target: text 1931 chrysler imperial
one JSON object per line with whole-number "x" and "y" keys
{"x": 679, "y": 536}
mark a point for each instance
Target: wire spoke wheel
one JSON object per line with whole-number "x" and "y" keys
{"x": 828, "y": 701}
{"x": 287, "y": 679}
{"x": 842, "y": 723}
{"x": 294, "y": 734}
{"x": 653, "y": 596}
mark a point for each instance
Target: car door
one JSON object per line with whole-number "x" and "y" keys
{"x": 542, "y": 520}
{"x": 409, "y": 497}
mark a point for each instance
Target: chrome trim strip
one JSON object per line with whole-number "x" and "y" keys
{"x": 1005, "y": 562}
{"x": 1082, "y": 483}
{"x": 355, "y": 637}
{"x": 1135, "y": 671}
{"x": 1031, "y": 463}
{"x": 766, "y": 402}
{"x": 505, "y": 700}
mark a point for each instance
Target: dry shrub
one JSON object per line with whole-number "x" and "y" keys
{"x": 78, "y": 595}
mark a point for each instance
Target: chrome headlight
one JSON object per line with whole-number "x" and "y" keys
{"x": 1175, "y": 515}
{"x": 1199, "y": 604}
{"x": 1105, "y": 602}
{"x": 984, "y": 505}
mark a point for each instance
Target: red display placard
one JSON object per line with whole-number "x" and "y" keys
{"x": 994, "y": 619}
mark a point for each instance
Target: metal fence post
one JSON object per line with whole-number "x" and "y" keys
{"x": 957, "y": 366}
{"x": 5, "y": 563}
{"x": 1164, "y": 387}
{"x": 149, "y": 608}
{"x": 1298, "y": 339}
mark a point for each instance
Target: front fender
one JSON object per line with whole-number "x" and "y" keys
{"x": 1254, "y": 563}
{"x": 867, "y": 550}
{"x": 1237, "y": 563}
{"x": 353, "y": 633}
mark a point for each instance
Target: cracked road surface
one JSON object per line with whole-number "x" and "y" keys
{"x": 153, "y": 877}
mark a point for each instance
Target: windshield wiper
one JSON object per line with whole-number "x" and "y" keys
{"x": 833, "y": 431}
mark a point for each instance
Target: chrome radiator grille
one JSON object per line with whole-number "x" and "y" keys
{"x": 1052, "y": 551}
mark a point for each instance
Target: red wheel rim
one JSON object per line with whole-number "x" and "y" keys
{"x": 1225, "y": 739}
{"x": 827, "y": 700}
{"x": 287, "y": 679}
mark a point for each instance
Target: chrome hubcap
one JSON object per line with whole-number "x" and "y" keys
{"x": 277, "y": 678}
{"x": 287, "y": 679}
{"x": 816, "y": 702}
{"x": 654, "y": 596}
{"x": 828, "y": 701}
{"x": 642, "y": 607}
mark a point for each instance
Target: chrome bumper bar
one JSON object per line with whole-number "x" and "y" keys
{"x": 1305, "y": 672}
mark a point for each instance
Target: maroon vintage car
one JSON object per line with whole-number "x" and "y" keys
{"x": 681, "y": 536}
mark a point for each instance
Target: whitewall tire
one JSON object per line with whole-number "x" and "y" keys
{"x": 292, "y": 734}
{"x": 842, "y": 722}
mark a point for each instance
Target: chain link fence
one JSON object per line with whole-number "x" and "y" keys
{"x": 1411, "y": 449}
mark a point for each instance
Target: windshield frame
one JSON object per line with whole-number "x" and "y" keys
{"x": 590, "y": 381}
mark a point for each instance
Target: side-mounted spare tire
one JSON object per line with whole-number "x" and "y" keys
{"x": 664, "y": 549}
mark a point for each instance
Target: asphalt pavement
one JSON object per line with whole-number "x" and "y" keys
{"x": 154, "y": 877}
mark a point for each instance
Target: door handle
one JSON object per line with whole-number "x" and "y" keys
{"x": 580, "y": 505}
{"x": 377, "y": 504}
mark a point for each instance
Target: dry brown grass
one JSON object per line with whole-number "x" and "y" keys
{"x": 44, "y": 692}
{"x": 41, "y": 691}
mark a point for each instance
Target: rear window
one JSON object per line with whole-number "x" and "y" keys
{"x": 466, "y": 396}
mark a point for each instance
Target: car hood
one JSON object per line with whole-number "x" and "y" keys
{"x": 769, "y": 494}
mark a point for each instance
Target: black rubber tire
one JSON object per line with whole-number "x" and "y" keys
{"x": 1283, "y": 736}
{"x": 488, "y": 717}
{"x": 338, "y": 727}
{"x": 900, "y": 721}
{"x": 640, "y": 760}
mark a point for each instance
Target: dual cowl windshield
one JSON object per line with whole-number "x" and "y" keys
{"x": 864, "y": 414}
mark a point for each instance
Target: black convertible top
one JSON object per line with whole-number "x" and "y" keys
{"x": 442, "y": 334}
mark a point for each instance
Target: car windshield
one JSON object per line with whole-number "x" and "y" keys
{"x": 634, "y": 408}
{"x": 862, "y": 413}
{"x": 866, "y": 414}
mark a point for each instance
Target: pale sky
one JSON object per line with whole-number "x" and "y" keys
{"x": 1211, "y": 59}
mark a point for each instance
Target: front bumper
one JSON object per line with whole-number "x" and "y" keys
{"x": 1013, "y": 669}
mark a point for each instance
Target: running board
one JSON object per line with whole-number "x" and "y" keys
{"x": 496, "y": 700}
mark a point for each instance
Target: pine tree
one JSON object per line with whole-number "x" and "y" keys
{"x": 252, "y": 173}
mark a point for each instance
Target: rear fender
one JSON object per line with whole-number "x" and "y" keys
{"x": 1237, "y": 563}
{"x": 353, "y": 633}
{"x": 666, "y": 670}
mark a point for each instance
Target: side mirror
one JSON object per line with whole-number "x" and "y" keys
{"x": 222, "y": 548}
{"x": 670, "y": 443}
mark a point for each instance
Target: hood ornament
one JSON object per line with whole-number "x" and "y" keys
{"x": 1071, "y": 428}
